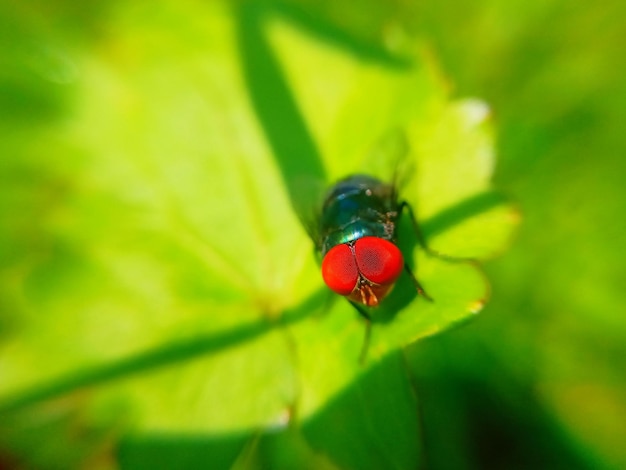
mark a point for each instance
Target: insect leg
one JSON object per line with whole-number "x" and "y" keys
{"x": 422, "y": 240}
{"x": 368, "y": 331}
{"x": 418, "y": 287}
{"x": 361, "y": 310}
{"x": 435, "y": 253}
{"x": 416, "y": 228}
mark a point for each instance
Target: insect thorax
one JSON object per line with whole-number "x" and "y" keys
{"x": 357, "y": 207}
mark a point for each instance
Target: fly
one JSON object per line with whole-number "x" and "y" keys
{"x": 358, "y": 241}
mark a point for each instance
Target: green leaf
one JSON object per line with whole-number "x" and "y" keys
{"x": 164, "y": 269}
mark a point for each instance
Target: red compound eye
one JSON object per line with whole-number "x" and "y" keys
{"x": 379, "y": 260}
{"x": 339, "y": 269}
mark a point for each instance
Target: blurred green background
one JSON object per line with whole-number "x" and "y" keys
{"x": 535, "y": 381}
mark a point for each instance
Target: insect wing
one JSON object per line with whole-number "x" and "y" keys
{"x": 308, "y": 205}
{"x": 390, "y": 160}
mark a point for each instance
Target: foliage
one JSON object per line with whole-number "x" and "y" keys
{"x": 161, "y": 303}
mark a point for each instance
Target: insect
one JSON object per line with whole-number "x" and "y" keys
{"x": 357, "y": 235}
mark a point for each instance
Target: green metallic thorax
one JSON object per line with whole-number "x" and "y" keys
{"x": 358, "y": 206}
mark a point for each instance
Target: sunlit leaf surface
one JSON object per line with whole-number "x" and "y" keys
{"x": 154, "y": 266}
